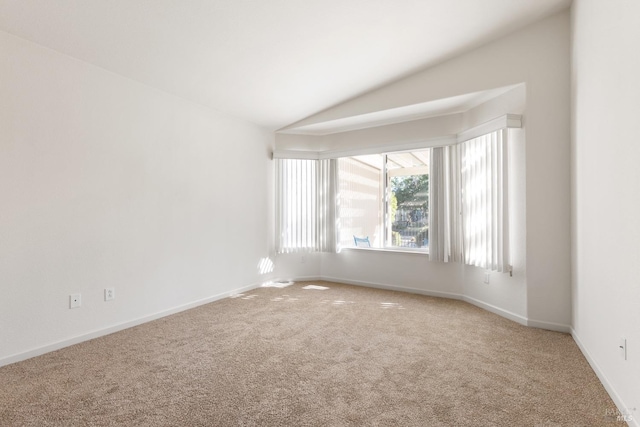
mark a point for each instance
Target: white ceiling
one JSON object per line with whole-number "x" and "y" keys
{"x": 272, "y": 62}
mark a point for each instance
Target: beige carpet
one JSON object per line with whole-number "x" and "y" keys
{"x": 306, "y": 357}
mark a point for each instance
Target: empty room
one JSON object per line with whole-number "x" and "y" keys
{"x": 319, "y": 213}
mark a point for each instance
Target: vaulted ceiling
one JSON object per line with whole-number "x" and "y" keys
{"x": 271, "y": 62}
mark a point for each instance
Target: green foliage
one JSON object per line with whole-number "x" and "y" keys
{"x": 413, "y": 188}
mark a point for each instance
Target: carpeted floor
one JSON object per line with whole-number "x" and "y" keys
{"x": 309, "y": 357}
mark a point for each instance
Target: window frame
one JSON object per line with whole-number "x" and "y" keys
{"x": 386, "y": 223}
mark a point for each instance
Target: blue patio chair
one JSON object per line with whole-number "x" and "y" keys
{"x": 362, "y": 242}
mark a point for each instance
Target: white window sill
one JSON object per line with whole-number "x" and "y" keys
{"x": 390, "y": 250}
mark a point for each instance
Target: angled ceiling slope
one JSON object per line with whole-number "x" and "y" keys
{"x": 439, "y": 107}
{"x": 269, "y": 62}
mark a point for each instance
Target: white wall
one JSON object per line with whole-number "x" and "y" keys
{"x": 394, "y": 270}
{"x": 606, "y": 191}
{"x": 297, "y": 266}
{"x": 108, "y": 183}
{"x": 539, "y": 57}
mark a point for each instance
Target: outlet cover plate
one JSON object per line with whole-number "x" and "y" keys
{"x": 75, "y": 300}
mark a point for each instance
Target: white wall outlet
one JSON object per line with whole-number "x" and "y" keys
{"x": 623, "y": 348}
{"x": 75, "y": 300}
{"x": 486, "y": 277}
{"x": 303, "y": 259}
{"x": 109, "y": 294}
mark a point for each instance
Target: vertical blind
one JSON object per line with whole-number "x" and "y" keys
{"x": 445, "y": 223}
{"x": 296, "y": 197}
{"x": 305, "y": 205}
{"x": 485, "y": 207}
{"x": 469, "y": 214}
{"x": 327, "y": 188}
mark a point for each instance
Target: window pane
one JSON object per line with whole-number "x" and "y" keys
{"x": 408, "y": 201}
{"x": 391, "y": 213}
{"x": 360, "y": 203}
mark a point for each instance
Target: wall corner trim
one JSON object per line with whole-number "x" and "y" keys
{"x": 506, "y": 121}
{"x": 558, "y": 327}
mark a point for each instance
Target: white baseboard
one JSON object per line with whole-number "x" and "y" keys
{"x": 492, "y": 308}
{"x": 635, "y": 422}
{"x": 496, "y": 310}
{"x": 392, "y": 287}
{"x": 478, "y": 303}
{"x": 117, "y": 327}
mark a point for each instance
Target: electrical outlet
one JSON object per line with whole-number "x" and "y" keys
{"x": 623, "y": 348}
{"x": 303, "y": 259}
{"x": 75, "y": 300}
{"x": 486, "y": 277}
{"x": 109, "y": 294}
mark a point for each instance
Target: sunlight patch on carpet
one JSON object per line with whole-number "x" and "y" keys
{"x": 285, "y": 298}
{"x": 391, "y": 305}
{"x": 277, "y": 284}
{"x": 315, "y": 287}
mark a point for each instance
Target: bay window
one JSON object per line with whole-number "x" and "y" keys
{"x": 449, "y": 201}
